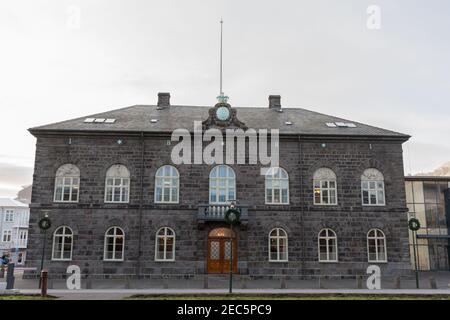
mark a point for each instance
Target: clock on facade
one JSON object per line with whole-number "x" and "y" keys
{"x": 223, "y": 113}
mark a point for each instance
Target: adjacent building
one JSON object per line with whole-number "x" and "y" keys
{"x": 14, "y": 217}
{"x": 119, "y": 204}
{"x": 428, "y": 200}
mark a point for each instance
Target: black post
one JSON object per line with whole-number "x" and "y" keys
{"x": 231, "y": 258}
{"x": 415, "y": 258}
{"x": 10, "y": 276}
{"x": 42, "y": 258}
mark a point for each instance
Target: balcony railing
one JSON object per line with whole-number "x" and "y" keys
{"x": 216, "y": 213}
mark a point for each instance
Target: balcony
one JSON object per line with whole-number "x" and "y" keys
{"x": 216, "y": 213}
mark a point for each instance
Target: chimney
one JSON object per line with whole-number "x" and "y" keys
{"x": 274, "y": 102}
{"x": 163, "y": 99}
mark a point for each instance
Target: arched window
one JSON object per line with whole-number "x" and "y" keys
{"x": 62, "y": 243}
{"x": 277, "y": 186}
{"x": 325, "y": 187}
{"x": 222, "y": 185}
{"x": 372, "y": 188}
{"x": 376, "y": 246}
{"x": 67, "y": 183}
{"x": 114, "y": 244}
{"x": 117, "y": 184}
{"x": 278, "y": 245}
{"x": 165, "y": 245}
{"x": 327, "y": 246}
{"x": 166, "y": 185}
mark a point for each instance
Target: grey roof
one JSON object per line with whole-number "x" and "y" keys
{"x": 137, "y": 119}
{"x": 8, "y": 202}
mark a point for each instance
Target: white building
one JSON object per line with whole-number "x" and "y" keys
{"x": 14, "y": 219}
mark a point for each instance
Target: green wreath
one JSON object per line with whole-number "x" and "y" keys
{"x": 234, "y": 211}
{"x": 414, "y": 224}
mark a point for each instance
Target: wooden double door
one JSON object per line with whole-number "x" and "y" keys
{"x": 220, "y": 247}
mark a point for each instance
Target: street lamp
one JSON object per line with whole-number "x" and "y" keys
{"x": 44, "y": 224}
{"x": 232, "y": 217}
{"x": 414, "y": 225}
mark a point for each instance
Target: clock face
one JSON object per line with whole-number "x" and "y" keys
{"x": 222, "y": 113}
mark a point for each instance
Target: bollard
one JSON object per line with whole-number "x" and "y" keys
{"x": 321, "y": 285}
{"x": 283, "y": 283}
{"x": 433, "y": 283}
{"x": 88, "y": 283}
{"x": 44, "y": 278}
{"x": 127, "y": 283}
{"x": 10, "y": 276}
{"x": 359, "y": 282}
{"x": 205, "y": 282}
{"x": 244, "y": 282}
{"x": 398, "y": 284}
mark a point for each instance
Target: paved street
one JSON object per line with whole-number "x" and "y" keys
{"x": 111, "y": 294}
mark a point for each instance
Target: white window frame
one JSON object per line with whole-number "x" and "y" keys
{"x": 325, "y": 175}
{"x": 23, "y": 241}
{"x": 119, "y": 173}
{"x": 7, "y": 234}
{"x": 9, "y": 215}
{"x": 164, "y": 236}
{"x": 374, "y": 176}
{"x": 377, "y": 251}
{"x": 230, "y": 184}
{"x": 63, "y": 235}
{"x": 328, "y": 238}
{"x": 114, "y": 236}
{"x": 275, "y": 176}
{"x": 174, "y": 182}
{"x": 24, "y": 255}
{"x": 67, "y": 173}
{"x": 278, "y": 237}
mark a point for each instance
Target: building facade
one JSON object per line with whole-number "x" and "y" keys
{"x": 14, "y": 218}
{"x": 120, "y": 205}
{"x": 428, "y": 200}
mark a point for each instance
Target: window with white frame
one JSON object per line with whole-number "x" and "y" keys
{"x": 325, "y": 187}
{"x": 114, "y": 244}
{"x": 62, "y": 243}
{"x": 21, "y": 258}
{"x": 278, "y": 245}
{"x": 372, "y": 188}
{"x": 165, "y": 245}
{"x": 23, "y": 236}
{"x": 9, "y": 215}
{"x": 6, "y": 237}
{"x": 376, "y": 246}
{"x": 277, "y": 186}
{"x": 222, "y": 185}
{"x": 67, "y": 183}
{"x": 117, "y": 186}
{"x": 327, "y": 246}
{"x": 167, "y": 181}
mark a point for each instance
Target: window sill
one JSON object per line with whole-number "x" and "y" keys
{"x": 278, "y": 261}
{"x": 156, "y": 260}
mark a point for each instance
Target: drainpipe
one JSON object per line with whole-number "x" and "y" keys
{"x": 141, "y": 200}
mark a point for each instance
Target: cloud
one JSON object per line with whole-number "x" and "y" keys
{"x": 13, "y": 178}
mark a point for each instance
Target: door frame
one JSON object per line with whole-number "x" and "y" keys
{"x": 225, "y": 263}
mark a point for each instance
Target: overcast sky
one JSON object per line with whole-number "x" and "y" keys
{"x": 64, "y": 59}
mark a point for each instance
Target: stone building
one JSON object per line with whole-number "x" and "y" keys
{"x": 119, "y": 205}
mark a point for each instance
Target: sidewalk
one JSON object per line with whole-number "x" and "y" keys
{"x": 116, "y": 294}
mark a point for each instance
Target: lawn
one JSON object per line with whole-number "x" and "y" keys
{"x": 24, "y": 297}
{"x": 290, "y": 297}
